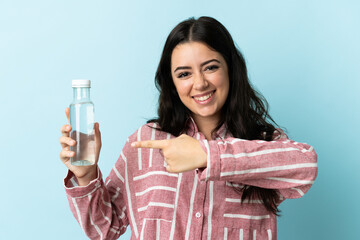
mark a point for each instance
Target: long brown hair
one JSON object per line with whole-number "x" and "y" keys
{"x": 245, "y": 112}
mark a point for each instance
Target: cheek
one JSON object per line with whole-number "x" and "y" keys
{"x": 183, "y": 88}
{"x": 221, "y": 81}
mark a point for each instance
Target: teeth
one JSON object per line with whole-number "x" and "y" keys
{"x": 203, "y": 98}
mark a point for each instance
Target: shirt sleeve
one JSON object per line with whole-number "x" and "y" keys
{"x": 99, "y": 207}
{"x": 282, "y": 164}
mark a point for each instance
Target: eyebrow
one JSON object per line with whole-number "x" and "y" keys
{"x": 204, "y": 63}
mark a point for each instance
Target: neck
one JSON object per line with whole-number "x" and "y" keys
{"x": 206, "y": 125}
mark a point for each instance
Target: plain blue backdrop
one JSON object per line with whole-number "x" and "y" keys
{"x": 304, "y": 57}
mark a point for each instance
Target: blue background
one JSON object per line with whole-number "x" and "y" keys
{"x": 302, "y": 55}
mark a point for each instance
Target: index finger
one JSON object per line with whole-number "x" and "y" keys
{"x": 67, "y": 112}
{"x": 159, "y": 144}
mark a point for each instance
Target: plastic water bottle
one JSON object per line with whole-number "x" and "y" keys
{"x": 82, "y": 123}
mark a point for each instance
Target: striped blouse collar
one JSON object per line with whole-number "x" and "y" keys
{"x": 192, "y": 129}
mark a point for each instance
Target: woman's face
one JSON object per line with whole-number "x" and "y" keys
{"x": 201, "y": 79}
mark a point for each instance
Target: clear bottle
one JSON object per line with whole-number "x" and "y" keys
{"x": 82, "y": 123}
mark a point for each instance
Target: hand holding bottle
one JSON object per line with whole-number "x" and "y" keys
{"x": 84, "y": 174}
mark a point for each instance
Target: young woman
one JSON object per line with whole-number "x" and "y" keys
{"x": 211, "y": 166}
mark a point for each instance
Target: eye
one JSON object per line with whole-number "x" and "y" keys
{"x": 211, "y": 68}
{"x": 183, "y": 74}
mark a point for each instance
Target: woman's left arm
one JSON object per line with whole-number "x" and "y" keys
{"x": 283, "y": 164}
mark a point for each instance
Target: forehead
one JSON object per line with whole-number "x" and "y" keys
{"x": 192, "y": 53}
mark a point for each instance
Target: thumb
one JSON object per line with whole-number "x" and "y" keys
{"x": 97, "y": 135}
{"x": 97, "y": 141}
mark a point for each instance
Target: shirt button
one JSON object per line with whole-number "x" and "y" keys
{"x": 198, "y": 215}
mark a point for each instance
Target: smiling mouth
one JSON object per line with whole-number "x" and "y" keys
{"x": 204, "y": 97}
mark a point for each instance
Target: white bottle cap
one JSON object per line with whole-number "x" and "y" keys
{"x": 81, "y": 83}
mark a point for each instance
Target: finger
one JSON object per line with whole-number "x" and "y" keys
{"x": 66, "y": 141}
{"x": 65, "y": 155}
{"x": 65, "y": 130}
{"x": 67, "y": 112}
{"x": 159, "y": 144}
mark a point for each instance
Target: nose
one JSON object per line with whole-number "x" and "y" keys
{"x": 200, "y": 82}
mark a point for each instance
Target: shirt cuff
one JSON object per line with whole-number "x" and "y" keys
{"x": 72, "y": 188}
{"x": 212, "y": 170}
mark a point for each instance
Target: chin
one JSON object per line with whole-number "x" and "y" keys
{"x": 205, "y": 114}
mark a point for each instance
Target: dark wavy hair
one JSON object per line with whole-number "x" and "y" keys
{"x": 245, "y": 112}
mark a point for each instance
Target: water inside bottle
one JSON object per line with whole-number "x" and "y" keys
{"x": 82, "y": 123}
{"x": 84, "y": 149}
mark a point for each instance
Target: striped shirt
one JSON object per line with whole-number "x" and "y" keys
{"x": 198, "y": 204}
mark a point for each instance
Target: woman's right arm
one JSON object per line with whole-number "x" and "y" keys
{"x": 99, "y": 208}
